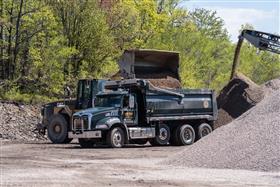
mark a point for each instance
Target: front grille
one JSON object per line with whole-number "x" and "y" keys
{"x": 80, "y": 123}
{"x": 77, "y": 124}
{"x": 85, "y": 122}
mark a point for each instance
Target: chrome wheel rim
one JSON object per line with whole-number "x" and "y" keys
{"x": 205, "y": 131}
{"x": 187, "y": 135}
{"x": 117, "y": 138}
{"x": 163, "y": 134}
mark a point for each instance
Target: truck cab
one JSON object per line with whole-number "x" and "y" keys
{"x": 116, "y": 108}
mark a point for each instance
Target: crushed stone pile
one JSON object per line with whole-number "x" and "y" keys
{"x": 169, "y": 82}
{"x": 250, "y": 142}
{"x": 238, "y": 96}
{"x": 18, "y": 122}
{"x": 271, "y": 86}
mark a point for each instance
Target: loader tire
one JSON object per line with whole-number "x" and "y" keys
{"x": 58, "y": 130}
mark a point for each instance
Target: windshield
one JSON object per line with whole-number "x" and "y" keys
{"x": 108, "y": 101}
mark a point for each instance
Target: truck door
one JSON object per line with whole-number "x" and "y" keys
{"x": 130, "y": 114}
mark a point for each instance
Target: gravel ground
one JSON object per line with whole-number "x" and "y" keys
{"x": 18, "y": 122}
{"x": 45, "y": 165}
{"x": 251, "y": 142}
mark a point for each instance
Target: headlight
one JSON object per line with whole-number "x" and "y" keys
{"x": 101, "y": 126}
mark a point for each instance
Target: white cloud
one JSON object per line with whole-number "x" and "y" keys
{"x": 235, "y": 17}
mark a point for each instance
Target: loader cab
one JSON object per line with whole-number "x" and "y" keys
{"x": 86, "y": 92}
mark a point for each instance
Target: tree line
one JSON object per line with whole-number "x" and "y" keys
{"x": 46, "y": 44}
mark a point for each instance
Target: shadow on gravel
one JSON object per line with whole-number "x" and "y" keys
{"x": 77, "y": 146}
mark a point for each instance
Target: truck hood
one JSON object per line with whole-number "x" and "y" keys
{"x": 94, "y": 110}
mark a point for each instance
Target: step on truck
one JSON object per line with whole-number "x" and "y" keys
{"x": 135, "y": 111}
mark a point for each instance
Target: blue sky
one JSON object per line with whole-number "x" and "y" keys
{"x": 262, "y": 14}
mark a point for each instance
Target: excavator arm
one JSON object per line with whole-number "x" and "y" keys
{"x": 261, "y": 40}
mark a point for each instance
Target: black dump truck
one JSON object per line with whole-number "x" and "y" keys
{"x": 135, "y": 111}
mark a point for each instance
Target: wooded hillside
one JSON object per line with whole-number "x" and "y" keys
{"x": 48, "y": 44}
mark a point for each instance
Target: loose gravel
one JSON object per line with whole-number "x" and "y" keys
{"x": 18, "y": 122}
{"x": 250, "y": 142}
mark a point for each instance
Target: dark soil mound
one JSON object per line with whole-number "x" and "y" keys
{"x": 238, "y": 96}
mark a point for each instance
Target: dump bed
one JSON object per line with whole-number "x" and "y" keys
{"x": 195, "y": 104}
{"x": 171, "y": 104}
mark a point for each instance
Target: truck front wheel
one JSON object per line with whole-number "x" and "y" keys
{"x": 57, "y": 130}
{"x": 115, "y": 137}
{"x": 162, "y": 136}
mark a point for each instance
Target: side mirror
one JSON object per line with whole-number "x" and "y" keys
{"x": 131, "y": 101}
{"x": 67, "y": 91}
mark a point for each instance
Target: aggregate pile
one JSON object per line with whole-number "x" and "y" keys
{"x": 250, "y": 142}
{"x": 238, "y": 96}
{"x": 18, "y": 122}
{"x": 271, "y": 86}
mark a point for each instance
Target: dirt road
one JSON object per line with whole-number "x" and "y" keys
{"x": 43, "y": 164}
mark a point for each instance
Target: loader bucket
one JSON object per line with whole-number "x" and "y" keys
{"x": 149, "y": 64}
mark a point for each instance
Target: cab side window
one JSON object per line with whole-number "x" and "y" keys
{"x": 126, "y": 102}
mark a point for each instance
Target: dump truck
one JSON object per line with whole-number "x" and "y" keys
{"x": 155, "y": 65}
{"x": 136, "y": 111}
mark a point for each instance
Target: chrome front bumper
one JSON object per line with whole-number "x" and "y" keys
{"x": 85, "y": 134}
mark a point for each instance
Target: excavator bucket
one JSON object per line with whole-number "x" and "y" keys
{"x": 149, "y": 64}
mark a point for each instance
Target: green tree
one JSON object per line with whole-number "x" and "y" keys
{"x": 208, "y": 23}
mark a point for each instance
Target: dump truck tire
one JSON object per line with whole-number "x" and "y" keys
{"x": 115, "y": 137}
{"x": 162, "y": 137}
{"x": 203, "y": 130}
{"x": 85, "y": 143}
{"x": 185, "y": 135}
{"x": 58, "y": 130}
